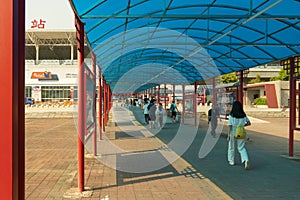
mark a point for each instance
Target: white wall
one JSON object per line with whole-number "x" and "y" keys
{"x": 57, "y": 14}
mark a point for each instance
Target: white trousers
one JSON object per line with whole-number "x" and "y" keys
{"x": 241, "y": 149}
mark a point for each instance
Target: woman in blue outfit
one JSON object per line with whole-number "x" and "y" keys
{"x": 237, "y": 117}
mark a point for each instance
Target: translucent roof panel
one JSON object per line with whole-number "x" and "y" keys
{"x": 196, "y": 39}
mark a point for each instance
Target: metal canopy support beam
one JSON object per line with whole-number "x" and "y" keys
{"x": 173, "y": 93}
{"x": 293, "y": 91}
{"x": 165, "y": 96}
{"x": 186, "y": 17}
{"x": 241, "y": 87}
{"x": 183, "y": 104}
{"x": 81, "y": 126}
{"x": 104, "y": 103}
{"x": 12, "y": 142}
{"x": 100, "y": 102}
{"x": 214, "y": 100}
{"x": 94, "y": 61}
{"x": 195, "y": 104}
{"x": 158, "y": 94}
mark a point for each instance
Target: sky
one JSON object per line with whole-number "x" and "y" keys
{"x": 49, "y": 15}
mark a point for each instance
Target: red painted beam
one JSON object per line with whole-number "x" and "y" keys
{"x": 165, "y": 95}
{"x": 183, "y": 104}
{"x": 158, "y": 94}
{"x": 81, "y": 111}
{"x": 12, "y": 83}
{"x": 100, "y": 118}
{"x": 292, "y": 107}
{"x": 195, "y": 104}
{"x": 94, "y": 103}
{"x": 240, "y": 88}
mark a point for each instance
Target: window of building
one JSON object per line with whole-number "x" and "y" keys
{"x": 56, "y": 93}
{"x": 28, "y": 91}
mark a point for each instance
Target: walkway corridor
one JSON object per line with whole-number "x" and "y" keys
{"x": 129, "y": 147}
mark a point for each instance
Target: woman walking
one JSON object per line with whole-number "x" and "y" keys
{"x": 159, "y": 115}
{"x": 237, "y": 117}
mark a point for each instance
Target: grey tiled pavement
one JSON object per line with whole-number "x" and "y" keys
{"x": 51, "y": 163}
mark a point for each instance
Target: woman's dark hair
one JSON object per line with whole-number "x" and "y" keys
{"x": 152, "y": 100}
{"x": 237, "y": 110}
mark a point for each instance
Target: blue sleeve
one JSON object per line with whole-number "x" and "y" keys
{"x": 230, "y": 120}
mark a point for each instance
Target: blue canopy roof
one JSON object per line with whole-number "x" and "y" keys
{"x": 141, "y": 43}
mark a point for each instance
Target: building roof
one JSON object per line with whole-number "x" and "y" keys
{"x": 195, "y": 39}
{"x": 53, "y": 44}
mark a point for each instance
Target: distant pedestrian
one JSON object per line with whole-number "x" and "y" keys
{"x": 146, "y": 111}
{"x": 236, "y": 118}
{"x": 213, "y": 115}
{"x": 174, "y": 110}
{"x": 159, "y": 115}
{"x": 152, "y": 109}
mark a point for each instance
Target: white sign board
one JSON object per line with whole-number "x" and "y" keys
{"x": 45, "y": 15}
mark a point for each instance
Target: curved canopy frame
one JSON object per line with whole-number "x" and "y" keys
{"x": 195, "y": 39}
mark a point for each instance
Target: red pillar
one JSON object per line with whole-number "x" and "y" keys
{"x": 240, "y": 88}
{"x": 298, "y": 93}
{"x": 165, "y": 95}
{"x": 94, "y": 102}
{"x": 80, "y": 46}
{"x": 173, "y": 93}
{"x": 109, "y": 101}
{"x": 104, "y": 103}
{"x": 158, "y": 94}
{"x": 183, "y": 103}
{"x": 292, "y": 106}
{"x": 195, "y": 104}
{"x": 214, "y": 100}
{"x": 100, "y": 118}
{"x": 12, "y": 142}
{"x": 204, "y": 96}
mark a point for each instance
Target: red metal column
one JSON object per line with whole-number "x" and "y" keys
{"x": 298, "y": 93}
{"x": 84, "y": 103}
{"x": 12, "y": 142}
{"x": 104, "y": 103}
{"x": 155, "y": 95}
{"x": 214, "y": 100}
{"x": 292, "y": 106}
{"x": 100, "y": 104}
{"x": 183, "y": 103}
{"x": 204, "y": 95}
{"x": 94, "y": 102}
{"x": 158, "y": 94}
{"x": 173, "y": 93}
{"x": 195, "y": 104}
{"x": 109, "y": 101}
{"x": 240, "y": 88}
{"x": 81, "y": 112}
{"x": 165, "y": 95}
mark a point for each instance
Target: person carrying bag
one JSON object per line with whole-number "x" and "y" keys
{"x": 237, "y": 134}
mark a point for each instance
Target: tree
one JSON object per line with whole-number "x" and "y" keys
{"x": 256, "y": 80}
{"x": 229, "y": 78}
{"x": 282, "y": 75}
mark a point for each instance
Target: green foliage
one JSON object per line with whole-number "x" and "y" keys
{"x": 256, "y": 80}
{"x": 229, "y": 78}
{"x": 282, "y": 75}
{"x": 260, "y": 101}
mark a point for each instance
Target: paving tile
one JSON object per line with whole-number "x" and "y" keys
{"x": 51, "y": 166}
